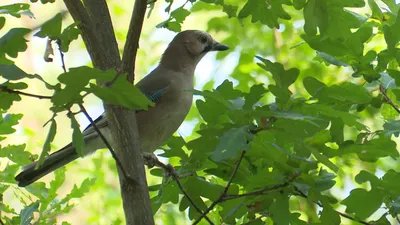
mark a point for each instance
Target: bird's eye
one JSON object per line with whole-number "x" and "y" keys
{"x": 203, "y": 39}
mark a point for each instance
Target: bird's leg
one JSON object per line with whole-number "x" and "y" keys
{"x": 149, "y": 159}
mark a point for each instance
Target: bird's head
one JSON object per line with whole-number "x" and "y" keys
{"x": 198, "y": 43}
{"x": 192, "y": 45}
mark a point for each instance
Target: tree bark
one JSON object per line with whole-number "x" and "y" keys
{"x": 99, "y": 38}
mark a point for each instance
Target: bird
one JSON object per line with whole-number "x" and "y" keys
{"x": 166, "y": 86}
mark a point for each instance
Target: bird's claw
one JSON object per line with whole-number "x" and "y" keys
{"x": 150, "y": 160}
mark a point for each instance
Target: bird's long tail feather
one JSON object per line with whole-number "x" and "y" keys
{"x": 54, "y": 161}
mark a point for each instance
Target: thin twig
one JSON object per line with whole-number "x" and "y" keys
{"x": 223, "y": 194}
{"x": 1, "y": 222}
{"x": 263, "y": 190}
{"x": 104, "y": 140}
{"x": 170, "y": 171}
{"x": 132, "y": 40}
{"x": 61, "y": 55}
{"x": 301, "y": 194}
{"x": 6, "y": 89}
{"x": 388, "y": 100}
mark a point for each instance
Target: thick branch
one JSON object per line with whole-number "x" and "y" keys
{"x": 90, "y": 35}
{"x": 135, "y": 193}
{"x": 101, "y": 20}
{"x": 122, "y": 122}
{"x": 132, "y": 40}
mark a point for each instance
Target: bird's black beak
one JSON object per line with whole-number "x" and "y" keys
{"x": 219, "y": 47}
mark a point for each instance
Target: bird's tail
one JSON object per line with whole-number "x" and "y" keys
{"x": 54, "y": 161}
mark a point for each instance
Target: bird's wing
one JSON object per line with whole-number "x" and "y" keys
{"x": 101, "y": 121}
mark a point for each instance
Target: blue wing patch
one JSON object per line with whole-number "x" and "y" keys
{"x": 101, "y": 121}
{"x": 156, "y": 95}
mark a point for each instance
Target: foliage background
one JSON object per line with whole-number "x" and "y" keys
{"x": 247, "y": 38}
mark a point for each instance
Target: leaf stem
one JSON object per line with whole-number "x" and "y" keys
{"x": 11, "y": 91}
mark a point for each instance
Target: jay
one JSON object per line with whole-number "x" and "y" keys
{"x": 166, "y": 86}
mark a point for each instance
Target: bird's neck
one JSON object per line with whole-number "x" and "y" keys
{"x": 179, "y": 59}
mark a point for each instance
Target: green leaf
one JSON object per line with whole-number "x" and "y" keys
{"x": 330, "y": 18}
{"x": 363, "y": 203}
{"x": 55, "y": 184}
{"x": 392, "y": 127}
{"x": 213, "y": 95}
{"x": 392, "y": 36}
{"x": 51, "y": 28}
{"x": 16, "y": 154}
{"x": 331, "y": 59}
{"x": 323, "y": 159}
{"x": 7, "y": 99}
{"x": 27, "y": 213}
{"x": 319, "y": 138}
{"x": 326, "y": 110}
{"x": 280, "y": 210}
{"x": 231, "y": 144}
{"x": 197, "y": 186}
{"x": 15, "y": 86}
{"x": 325, "y": 180}
{"x": 376, "y": 11}
{"x": 175, "y": 145}
{"x": 121, "y": 92}
{"x": 232, "y": 209}
{"x": 7, "y": 122}
{"x": 49, "y": 139}
{"x": 374, "y": 149}
{"x": 283, "y": 79}
{"x": 8, "y": 174}
{"x": 365, "y": 176}
{"x": 347, "y": 91}
{"x": 332, "y": 47}
{"x": 16, "y": 10}
{"x": 313, "y": 85}
{"x": 77, "y": 137}
{"x": 395, "y": 207}
{"x": 176, "y": 19}
{"x": 2, "y": 22}
{"x": 12, "y": 72}
{"x": 329, "y": 216}
{"x": 266, "y": 12}
{"x": 75, "y": 80}
{"x": 392, "y": 4}
{"x": 387, "y": 111}
{"x": 79, "y": 192}
{"x": 68, "y": 35}
{"x": 299, "y": 4}
{"x": 13, "y": 41}
{"x": 256, "y": 92}
{"x": 180, "y": 14}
